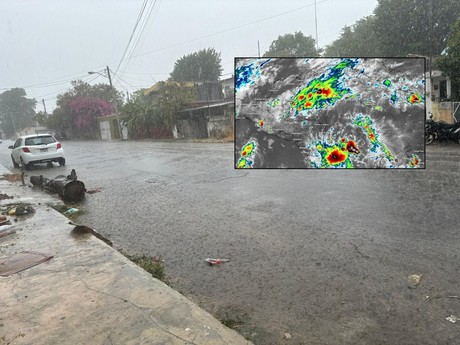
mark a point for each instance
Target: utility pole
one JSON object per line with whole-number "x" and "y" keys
{"x": 44, "y": 106}
{"x": 316, "y": 26}
{"x": 127, "y": 95}
{"x": 115, "y": 104}
{"x": 431, "y": 41}
{"x": 258, "y": 47}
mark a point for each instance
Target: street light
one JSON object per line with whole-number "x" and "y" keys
{"x": 114, "y": 99}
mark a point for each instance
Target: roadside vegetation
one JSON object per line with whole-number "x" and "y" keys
{"x": 152, "y": 264}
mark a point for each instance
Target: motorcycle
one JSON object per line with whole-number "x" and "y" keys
{"x": 440, "y": 130}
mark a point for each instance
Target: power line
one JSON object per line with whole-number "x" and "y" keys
{"x": 168, "y": 47}
{"x": 67, "y": 88}
{"x": 139, "y": 17}
{"x": 144, "y": 25}
{"x": 134, "y": 79}
{"x": 46, "y": 84}
{"x": 226, "y": 30}
{"x": 157, "y": 73}
{"x": 121, "y": 80}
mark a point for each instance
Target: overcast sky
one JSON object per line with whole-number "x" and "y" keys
{"x": 46, "y": 44}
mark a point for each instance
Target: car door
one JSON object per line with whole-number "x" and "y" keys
{"x": 17, "y": 150}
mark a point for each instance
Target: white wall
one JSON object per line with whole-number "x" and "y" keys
{"x": 105, "y": 130}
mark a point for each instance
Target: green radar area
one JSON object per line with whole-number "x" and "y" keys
{"x": 329, "y": 113}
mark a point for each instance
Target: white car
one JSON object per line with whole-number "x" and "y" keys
{"x": 37, "y": 148}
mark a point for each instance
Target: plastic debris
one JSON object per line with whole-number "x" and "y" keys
{"x": 20, "y": 210}
{"x": 71, "y": 211}
{"x": 452, "y": 318}
{"x": 213, "y": 262}
{"x": 414, "y": 280}
{"x": 287, "y": 336}
{"x": 7, "y": 230}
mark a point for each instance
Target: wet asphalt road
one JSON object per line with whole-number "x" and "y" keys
{"x": 322, "y": 255}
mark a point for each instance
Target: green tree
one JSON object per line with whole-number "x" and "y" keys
{"x": 296, "y": 44}
{"x": 360, "y": 39}
{"x": 204, "y": 65}
{"x": 140, "y": 115}
{"x": 147, "y": 115}
{"x": 59, "y": 122}
{"x": 450, "y": 62}
{"x": 16, "y": 111}
{"x": 414, "y": 26}
{"x": 173, "y": 97}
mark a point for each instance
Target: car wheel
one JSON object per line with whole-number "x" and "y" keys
{"x": 16, "y": 165}
{"x": 61, "y": 162}
{"x": 25, "y": 166}
{"x": 50, "y": 164}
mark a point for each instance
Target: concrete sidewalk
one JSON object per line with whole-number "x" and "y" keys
{"x": 88, "y": 293}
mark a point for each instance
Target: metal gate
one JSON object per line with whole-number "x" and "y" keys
{"x": 456, "y": 111}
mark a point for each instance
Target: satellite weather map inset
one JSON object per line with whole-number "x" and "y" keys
{"x": 329, "y": 113}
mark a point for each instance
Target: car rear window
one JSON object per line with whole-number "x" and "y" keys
{"x": 40, "y": 140}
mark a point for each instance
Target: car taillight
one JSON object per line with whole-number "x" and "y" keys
{"x": 58, "y": 146}
{"x": 25, "y": 149}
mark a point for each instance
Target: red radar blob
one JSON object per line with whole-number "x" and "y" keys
{"x": 351, "y": 147}
{"x": 326, "y": 92}
{"x": 336, "y": 157}
{"x": 414, "y": 99}
{"x": 301, "y": 97}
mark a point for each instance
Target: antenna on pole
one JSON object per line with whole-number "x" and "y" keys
{"x": 258, "y": 47}
{"x": 316, "y": 28}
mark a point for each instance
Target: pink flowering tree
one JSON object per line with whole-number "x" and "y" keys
{"x": 83, "y": 112}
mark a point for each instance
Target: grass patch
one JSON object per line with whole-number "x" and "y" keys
{"x": 58, "y": 207}
{"x": 68, "y": 211}
{"x": 239, "y": 320}
{"x": 152, "y": 264}
{"x": 233, "y": 317}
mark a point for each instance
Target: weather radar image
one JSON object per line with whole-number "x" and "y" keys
{"x": 329, "y": 113}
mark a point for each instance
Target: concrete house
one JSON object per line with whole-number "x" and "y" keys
{"x": 438, "y": 98}
{"x": 109, "y": 129}
{"x": 209, "y": 116}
